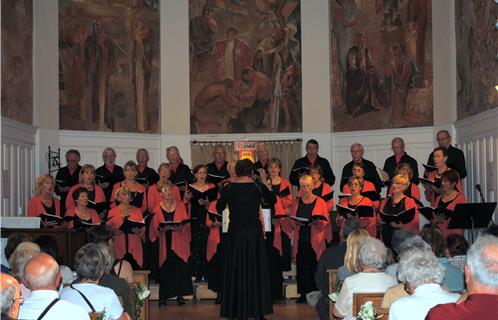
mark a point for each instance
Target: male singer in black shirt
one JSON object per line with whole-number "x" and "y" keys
{"x": 67, "y": 176}
{"x": 181, "y": 175}
{"x": 302, "y": 165}
{"x": 217, "y": 170}
{"x": 369, "y": 167}
{"x": 456, "y": 159}
{"x": 398, "y": 147}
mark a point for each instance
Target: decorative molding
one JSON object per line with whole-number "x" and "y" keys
{"x": 482, "y": 124}
{"x": 17, "y": 133}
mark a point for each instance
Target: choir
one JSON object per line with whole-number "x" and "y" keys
{"x": 237, "y": 224}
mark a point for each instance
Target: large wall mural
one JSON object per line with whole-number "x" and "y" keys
{"x": 109, "y": 65}
{"x": 245, "y": 62}
{"x": 381, "y": 64}
{"x": 17, "y": 60}
{"x": 477, "y": 47}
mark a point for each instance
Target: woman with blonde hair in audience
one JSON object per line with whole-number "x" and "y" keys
{"x": 136, "y": 190}
{"x": 371, "y": 259}
{"x": 128, "y": 244}
{"x": 351, "y": 265}
{"x": 43, "y": 201}
{"x": 87, "y": 181}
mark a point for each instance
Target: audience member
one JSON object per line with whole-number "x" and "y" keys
{"x": 102, "y": 234}
{"x": 48, "y": 245}
{"x": 110, "y": 280}
{"x": 351, "y": 265}
{"x": 17, "y": 261}
{"x": 332, "y": 258}
{"x": 90, "y": 264}
{"x": 11, "y": 297}
{"x": 399, "y": 236}
{"x": 457, "y": 249}
{"x": 371, "y": 257}
{"x": 398, "y": 291}
{"x": 422, "y": 275}
{"x": 453, "y": 278}
{"x": 481, "y": 276}
{"x": 41, "y": 275}
{"x": 12, "y": 242}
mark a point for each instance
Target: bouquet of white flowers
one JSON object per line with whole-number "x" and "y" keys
{"x": 368, "y": 312}
{"x": 141, "y": 293}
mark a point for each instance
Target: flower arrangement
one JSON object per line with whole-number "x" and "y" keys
{"x": 141, "y": 293}
{"x": 368, "y": 312}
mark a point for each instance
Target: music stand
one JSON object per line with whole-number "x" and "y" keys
{"x": 472, "y": 215}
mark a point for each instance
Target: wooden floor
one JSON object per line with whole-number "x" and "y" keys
{"x": 206, "y": 309}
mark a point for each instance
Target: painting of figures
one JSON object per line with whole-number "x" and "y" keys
{"x": 17, "y": 60}
{"x": 109, "y": 65}
{"x": 245, "y": 66}
{"x": 477, "y": 66}
{"x": 381, "y": 64}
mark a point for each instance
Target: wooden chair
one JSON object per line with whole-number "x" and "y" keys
{"x": 376, "y": 297}
{"x": 332, "y": 280}
{"x": 141, "y": 278}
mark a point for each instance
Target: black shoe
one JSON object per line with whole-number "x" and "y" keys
{"x": 162, "y": 303}
{"x": 180, "y": 301}
{"x": 301, "y": 299}
{"x": 218, "y": 299}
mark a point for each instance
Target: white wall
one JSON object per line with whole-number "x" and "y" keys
{"x": 478, "y": 139}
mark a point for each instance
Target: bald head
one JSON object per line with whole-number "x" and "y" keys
{"x": 10, "y": 295}
{"x": 42, "y": 273}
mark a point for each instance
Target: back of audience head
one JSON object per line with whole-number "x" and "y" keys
{"x": 13, "y": 241}
{"x": 23, "y": 253}
{"x": 89, "y": 262}
{"x": 42, "y": 273}
{"x": 108, "y": 256}
{"x": 398, "y": 237}
{"x": 492, "y": 230}
{"x": 349, "y": 226}
{"x": 355, "y": 239}
{"x": 457, "y": 245}
{"x": 481, "y": 271}
{"x": 413, "y": 243}
{"x": 98, "y": 234}
{"x": 419, "y": 267}
{"x": 9, "y": 296}
{"x": 48, "y": 245}
{"x": 372, "y": 254}
{"x": 434, "y": 237}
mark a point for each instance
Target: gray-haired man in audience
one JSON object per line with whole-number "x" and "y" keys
{"x": 422, "y": 275}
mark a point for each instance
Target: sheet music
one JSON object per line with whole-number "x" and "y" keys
{"x": 225, "y": 220}
{"x": 267, "y": 219}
